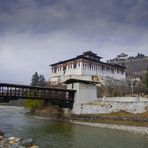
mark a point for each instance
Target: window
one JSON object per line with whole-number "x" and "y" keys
{"x": 90, "y": 66}
{"x": 75, "y": 65}
{"x": 55, "y": 70}
{"x": 103, "y": 67}
{"x": 83, "y": 65}
{"x": 64, "y": 68}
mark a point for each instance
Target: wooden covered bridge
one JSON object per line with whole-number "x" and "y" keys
{"x": 61, "y": 97}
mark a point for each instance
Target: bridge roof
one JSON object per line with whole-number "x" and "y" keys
{"x": 33, "y": 87}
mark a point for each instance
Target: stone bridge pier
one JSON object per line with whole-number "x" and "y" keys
{"x": 86, "y": 91}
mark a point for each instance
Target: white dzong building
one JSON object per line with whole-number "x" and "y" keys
{"x": 87, "y": 66}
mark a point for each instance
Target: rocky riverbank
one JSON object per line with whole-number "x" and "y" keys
{"x": 135, "y": 129}
{"x": 16, "y": 142}
{"x": 137, "y": 123}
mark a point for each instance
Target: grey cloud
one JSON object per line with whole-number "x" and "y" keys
{"x": 48, "y": 15}
{"x": 36, "y": 33}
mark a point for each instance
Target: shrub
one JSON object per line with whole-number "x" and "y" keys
{"x": 33, "y": 104}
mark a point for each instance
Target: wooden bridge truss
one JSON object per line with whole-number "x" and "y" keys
{"x": 62, "y": 97}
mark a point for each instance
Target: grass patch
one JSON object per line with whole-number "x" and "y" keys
{"x": 118, "y": 114}
{"x": 125, "y": 114}
{"x": 144, "y": 115}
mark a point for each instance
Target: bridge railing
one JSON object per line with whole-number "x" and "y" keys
{"x": 13, "y": 91}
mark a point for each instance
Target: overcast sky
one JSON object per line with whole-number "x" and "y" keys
{"x": 37, "y": 33}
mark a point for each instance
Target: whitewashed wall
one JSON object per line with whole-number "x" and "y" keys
{"x": 86, "y": 71}
{"x": 104, "y": 73}
{"x": 84, "y": 94}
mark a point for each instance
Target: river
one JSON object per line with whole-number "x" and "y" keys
{"x": 56, "y": 134}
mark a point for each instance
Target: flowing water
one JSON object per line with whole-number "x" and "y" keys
{"x": 55, "y": 134}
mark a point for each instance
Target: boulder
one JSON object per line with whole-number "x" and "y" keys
{"x": 16, "y": 146}
{"x": 5, "y": 143}
{"x": 1, "y": 133}
{"x": 1, "y": 138}
{"x": 11, "y": 140}
{"x": 27, "y": 142}
{"x": 34, "y": 146}
{"x": 11, "y": 143}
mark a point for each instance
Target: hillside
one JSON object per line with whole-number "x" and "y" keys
{"x": 134, "y": 66}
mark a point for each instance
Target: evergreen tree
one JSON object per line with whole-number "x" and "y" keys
{"x": 35, "y": 79}
{"x": 41, "y": 81}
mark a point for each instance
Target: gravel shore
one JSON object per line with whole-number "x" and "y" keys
{"x": 135, "y": 129}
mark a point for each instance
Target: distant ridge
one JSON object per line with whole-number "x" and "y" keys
{"x": 135, "y": 65}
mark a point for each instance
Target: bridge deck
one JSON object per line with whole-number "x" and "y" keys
{"x": 54, "y": 95}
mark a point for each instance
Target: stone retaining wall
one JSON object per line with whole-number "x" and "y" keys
{"x": 124, "y": 99}
{"x": 107, "y": 106}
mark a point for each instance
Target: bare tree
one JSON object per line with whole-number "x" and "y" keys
{"x": 109, "y": 85}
